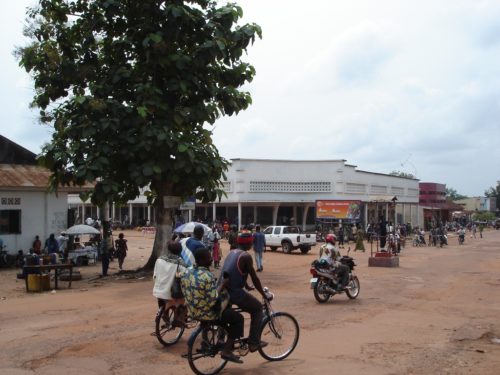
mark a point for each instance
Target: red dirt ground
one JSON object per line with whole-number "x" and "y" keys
{"x": 435, "y": 314}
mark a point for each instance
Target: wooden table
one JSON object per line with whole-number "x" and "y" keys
{"x": 37, "y": 269}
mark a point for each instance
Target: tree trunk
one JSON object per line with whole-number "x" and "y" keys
{"x": 165, "y": 206}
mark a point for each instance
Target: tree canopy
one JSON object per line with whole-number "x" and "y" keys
{"x": 130, "y": 86}
{"x": 484, "y": 216}
{"x": 453, "y": 195}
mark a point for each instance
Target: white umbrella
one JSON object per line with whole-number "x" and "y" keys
{"x": 189, "y": 227}
{"x": 81, "y": 229}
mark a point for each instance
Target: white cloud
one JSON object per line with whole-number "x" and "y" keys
{"x": 373, "y": 82}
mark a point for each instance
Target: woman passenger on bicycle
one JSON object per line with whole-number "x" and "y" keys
{"x": 166, "y": 267}
{"x": 204, "y": 301}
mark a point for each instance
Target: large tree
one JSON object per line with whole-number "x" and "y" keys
{"x": 131, "y": 89}
{"x": 453, "y": 195}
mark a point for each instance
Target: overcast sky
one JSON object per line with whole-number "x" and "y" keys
{"x": 387, "y": 85}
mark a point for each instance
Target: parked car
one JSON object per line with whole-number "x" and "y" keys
{"x": 289, "y": 238}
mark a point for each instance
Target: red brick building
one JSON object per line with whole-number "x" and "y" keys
{"x": 436, "y": 209}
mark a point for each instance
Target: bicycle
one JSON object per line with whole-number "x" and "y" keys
{"x": 167, "y": 330}
{"x": 279, "y": 329}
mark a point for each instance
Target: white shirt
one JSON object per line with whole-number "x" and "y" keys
{"x": 164, "y": 275}
{"x": 62, "y": 242}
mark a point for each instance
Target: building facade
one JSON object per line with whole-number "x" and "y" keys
{"x": 487, "y": 204}
{"x": 274, "y": 192}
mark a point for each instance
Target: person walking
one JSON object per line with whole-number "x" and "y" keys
{"x": 106, "y": 247}
{"x": 121, "y": 249}
{"x": 341, "y": 236}
{"x": 259, "y": 245}
{"x": 359, "y": 241}
{"x": 37, "y": 246}
{"x": 216, "y": 252}
{"x": 52, "y": 247}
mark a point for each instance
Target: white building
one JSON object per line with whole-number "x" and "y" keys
{"x": 272, "y": 192}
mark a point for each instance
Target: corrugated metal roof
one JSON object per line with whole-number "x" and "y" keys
{"x": 29, "y": 177}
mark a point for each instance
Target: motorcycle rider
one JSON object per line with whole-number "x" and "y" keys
{"x": 332, "y": 255}
{"x": 461, "y": 234}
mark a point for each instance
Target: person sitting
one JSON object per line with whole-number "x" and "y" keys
{"x": 20, "y": 259}
{"x": 332, "y": 256}
{"x": 238, "y": 266}
{"x": 164, "y": 274}
{"x": 204, "y": 299}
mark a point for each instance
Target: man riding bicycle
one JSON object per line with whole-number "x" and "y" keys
{"x": 238, "y": 266}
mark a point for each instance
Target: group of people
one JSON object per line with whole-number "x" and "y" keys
{"x": 59, "y": 247}
{"x": 209, "y": 299}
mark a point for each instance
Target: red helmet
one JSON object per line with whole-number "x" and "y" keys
{"x": 330, "y": 237}
{"x": 244, "y": 238}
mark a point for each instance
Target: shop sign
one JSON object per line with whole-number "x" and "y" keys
{"x": 338, "y": 209}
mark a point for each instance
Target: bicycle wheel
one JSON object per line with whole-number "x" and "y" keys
{"x": 166, "y": 333}
{"x": 204, "y": 348}
{"x": 281, "y": 332}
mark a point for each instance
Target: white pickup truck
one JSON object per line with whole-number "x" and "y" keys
{"x": 289, "y": 238}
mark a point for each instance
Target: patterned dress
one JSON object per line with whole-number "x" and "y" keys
{"x": 200, "y": 293}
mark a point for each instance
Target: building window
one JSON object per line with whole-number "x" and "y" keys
{"x": 355, "y": 188}
{"x": 377, "y": 189}
{"x": 290, "y": 187}
{"x": 397, "y": 190}
{"x": 413, "y": 192}
{"x": 10, "y": 221}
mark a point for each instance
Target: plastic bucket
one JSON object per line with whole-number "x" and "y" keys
{"x": 37, "y": 283}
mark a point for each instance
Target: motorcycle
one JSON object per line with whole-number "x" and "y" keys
{"x": 324, "y": 282}
{"x": 461, "y": 238}
{"x": 443, "y": 240}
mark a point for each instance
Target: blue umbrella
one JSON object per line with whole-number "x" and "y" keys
{"x": 188, "y": 228}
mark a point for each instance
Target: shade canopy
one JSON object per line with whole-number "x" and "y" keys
{"x": 188, "y": 228}
{"x": 81, "y": 229}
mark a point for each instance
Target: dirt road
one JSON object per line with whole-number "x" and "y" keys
{"x": 438, "y": 313}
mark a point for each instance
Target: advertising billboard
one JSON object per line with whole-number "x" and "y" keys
{"x": 336, "y": 209}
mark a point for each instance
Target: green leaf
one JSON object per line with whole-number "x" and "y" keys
{"x": 156, "y": 38}
{"x": 176, "y": 11}
{"x": 182, "y": 147}
{"x": 142, "y": 111}
{"x": 221, "y": 45}
{"x": 147, "y": 170}
{"x": 80, "y": 99}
